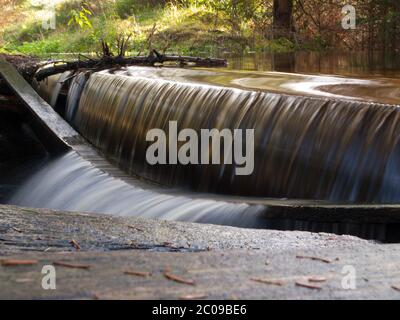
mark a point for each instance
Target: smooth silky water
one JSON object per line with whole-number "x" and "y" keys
{"x": 317, "y": 138}
{"x": 70, "y": 183}
{"x": 305, "y": 148}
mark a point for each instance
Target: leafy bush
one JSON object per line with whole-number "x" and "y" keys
{"x": 125, "y": 8}
{"x": 81, "y": 16}
{"x": 38, "y": 48}
{"x": 279, "y": 45}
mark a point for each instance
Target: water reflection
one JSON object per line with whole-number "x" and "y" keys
{"x": 363, "y": 64}
{"x": 374, "y": 88}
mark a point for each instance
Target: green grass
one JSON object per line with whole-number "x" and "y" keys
{"x": 192, "y": 29}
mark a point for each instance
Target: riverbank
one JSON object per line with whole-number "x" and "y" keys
{"x": 187, "y": 28}
{"x": 100, "y": 257}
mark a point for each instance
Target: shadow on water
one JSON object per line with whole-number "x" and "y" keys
{"x": 20, "y": 151}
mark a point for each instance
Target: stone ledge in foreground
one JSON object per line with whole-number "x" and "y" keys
{"x": 27, "y": 229}
{"x": 221, "y": 261}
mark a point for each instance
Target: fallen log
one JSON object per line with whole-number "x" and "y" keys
{"x": 109, "y": 61}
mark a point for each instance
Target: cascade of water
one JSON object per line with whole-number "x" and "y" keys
{"x": 310, "y": 148}
{"x": 71, "y": 183}
{"x": 74, "y": 94}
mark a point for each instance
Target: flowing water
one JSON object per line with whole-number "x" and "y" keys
{"x": 317, "y": 137}
{"x": 309, "y": 148}
{"x": 70, "y": 183}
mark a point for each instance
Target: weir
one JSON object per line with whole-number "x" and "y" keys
{"x": 298, "y": 162}
{"x": 305, "y": 148}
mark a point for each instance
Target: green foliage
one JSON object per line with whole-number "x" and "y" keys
{"x": 280, "y": 45}
{"x": 30, "y": 31}
{"x": 235, "y": 9}
{"x": 81, "y": 17}
{"x": 192, "y": 27}
{"x": 37, "y": 48}
{"x": 126, "y": 8}
{"x": 316, "y": 44}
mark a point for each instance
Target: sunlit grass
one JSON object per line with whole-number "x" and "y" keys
{"x": 172, "y": 27}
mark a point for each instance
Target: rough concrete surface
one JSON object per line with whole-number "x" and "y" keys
{"x": 222, "y": 262}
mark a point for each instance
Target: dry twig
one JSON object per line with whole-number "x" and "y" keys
{"x": 308, "y": 285}
{"x": 317, "y": 279}
{"x": 268, "y": 281}
{"x": 314, "y": 258}
{"x": 14, "y": 262}
{"x": 397, "y": 288}
{"x": 70, "y": 265}
{"x": 176, "y": 278}
{"x": 75, "y": 244}
{"x": 137, "y": 273}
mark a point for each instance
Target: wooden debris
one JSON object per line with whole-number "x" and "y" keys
{"x": 268, "y": 281}
{"x": 26, "y": 280}
{"x": 176, "y": 278}
{"x": 316, "y": 279}
{"x": 75, "y": 244}
{"x": 137, "y": 273}
{"x": 167, "y": 269}
{"x": 193, "y": 297}
{"x": 13, "y": 263}
{"x": 70, "y": 265}
{"x": 26, "y": 65}
{"x": 308, "y": 285}
{"x": 95, "y": 296}
{"x": 108, "y": 61}
{"x": 16, "y": 229}
{"x": 397, "y": 288}
{"x": 315, "y": 259}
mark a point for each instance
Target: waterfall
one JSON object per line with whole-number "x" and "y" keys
{"x": 68, "y": 182}
{"x": 305, "y": 147}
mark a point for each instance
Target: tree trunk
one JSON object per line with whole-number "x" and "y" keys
{"x": 283, "y": 15}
